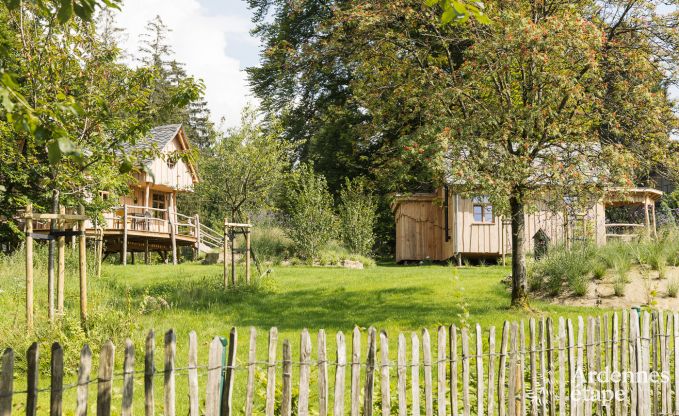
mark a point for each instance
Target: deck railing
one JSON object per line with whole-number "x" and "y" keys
{"x": 623, "y": 232}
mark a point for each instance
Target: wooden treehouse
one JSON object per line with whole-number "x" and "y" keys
{"x": 147, "y": 220}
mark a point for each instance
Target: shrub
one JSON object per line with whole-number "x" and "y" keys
{"x": 619, "y": 282}
{"x": 357, "y": 217}
{"x": 309, "y": 218}
{"x": 564, "y": 266}
{"x": 673, "y": 286}
{"x": 270, "y": 243}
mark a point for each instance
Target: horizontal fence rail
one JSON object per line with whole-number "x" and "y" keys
{"x": 542, "y": 368}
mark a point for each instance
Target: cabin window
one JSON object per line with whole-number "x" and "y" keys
{"x": 104, "y": 195}
{"x": 158, "y": 202}
{"x": 483, "y": 210}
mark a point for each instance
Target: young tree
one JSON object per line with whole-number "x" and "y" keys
{"x": 514, "y": 109}
{"x": 357, "y": 217}
{"x": 309, "y": 220}
{"x": 239, "y": 174}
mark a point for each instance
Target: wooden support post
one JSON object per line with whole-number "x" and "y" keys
{"x": 226, "y": 249}
{"x": 50, "y": 261}
{"x": 647, "y": 217}
{"x": 29, "y": 269}
{"x": 123, "y": 251}
{"x": 83, "y": 269}
{"x": 247, "y": 254}
{"x": 197, "y": 234}
{"x": 146, "y": 251}
{"x": 653, "y": 219}
{"x": 61, "y": 265}
{"x": 100, "y": 249}
{"x": 232, "y": 244}
{"x": 173, "y": 231}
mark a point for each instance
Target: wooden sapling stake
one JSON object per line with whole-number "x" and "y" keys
{"x": 29, "y": 267}
{"x": 83, "y": 269}
{"x": 123, "y": 252}
{"x": 247, "y": 254}
{"x": 61, "y": 265}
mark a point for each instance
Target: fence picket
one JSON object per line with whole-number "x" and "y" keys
{"x": 230, "y": 375}
{"x": 551, "y": 398}
{"x": 83, "y": 380}
{"x": 466, "y": 408}
{"x": 149, "y": 371}
{"x": 370, "y": 373}
{"x": 571, "y": 369}
{"x": 128, "y": 379}
{"x": 338, "y": 403}
{"x": 479, "y": 371}
{"x": 590, "y": 344}
{"x": 615, "y": 361}
{"x": 532, "y": 329}
{"x": 355, "y": 371}
{"x": 514, "y": 404}
{"x": 7, "y": 382}
{"x": 32, "y": 376}
{"x": 168, "y": 374}
{"x": 562, "y": 367}
{"x": 426, "y": 354}
{"x": 304, "y": 358}
{"x": 415, "y": 373}
{"x": 453, "y": 370}
{"x": 624, "y": 359}
{"x": 635, "y": 358}
{"x": 57, "y": 379}
{"x": 543, "y": 367}
{"x": 384, "y": 374}
{"x": 214, "y": 375}
{"x": 667, "y": 363}
{"x": 252, "y": 358}
{"x": 501, "y": 398}
{"x": 271, "y": 372}
{"x": 676, "y": 360}
{"x": 646, "y": 361}
{"x": 607, "y": 351}
{"x": 491, "y": 371}
{"x": 105, "y": 379}
{"x": 441, "y": 371}
{"x": 580, "y": 365}
{"x": 286, "y": 399}
{"x": 322, "y": 375}
{"x": 401, "y": 373}
{"x": 194, "y": 405}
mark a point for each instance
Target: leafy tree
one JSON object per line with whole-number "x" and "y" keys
{"x": 240, "y": 173}
{"x": 357, "y": 217}
{"x": 514, "y": 109}
{"x": 309, "y": 218}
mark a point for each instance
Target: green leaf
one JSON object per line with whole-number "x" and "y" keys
{"x": 125, "y": 166}
{"x": 53, "y": 152}
{"x": 65, "y": 11}
{"x": 431, "y": 3}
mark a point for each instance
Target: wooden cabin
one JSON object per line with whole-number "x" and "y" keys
{"x": 147, "y": 219}
{"x": 444, "y": 225}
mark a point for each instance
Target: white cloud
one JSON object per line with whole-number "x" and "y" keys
{"x": 199, "y": 40}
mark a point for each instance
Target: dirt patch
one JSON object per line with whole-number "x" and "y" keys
{"x": 638, "y": 292}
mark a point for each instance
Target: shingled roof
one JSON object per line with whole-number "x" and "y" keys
{"x": 158, "y": 137}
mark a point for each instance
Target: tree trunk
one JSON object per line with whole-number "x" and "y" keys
{"x": 519, "y": 275}
{"x": 51, "y": 254}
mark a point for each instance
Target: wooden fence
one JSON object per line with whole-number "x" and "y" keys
{"x": 534, "y": 372}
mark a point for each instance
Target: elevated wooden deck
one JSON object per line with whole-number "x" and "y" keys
{"x": 137, "y": 229}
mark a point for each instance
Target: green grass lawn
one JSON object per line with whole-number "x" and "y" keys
{"x": 124, "y": 301}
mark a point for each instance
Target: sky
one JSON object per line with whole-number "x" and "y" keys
{"x": 211, "y": 37}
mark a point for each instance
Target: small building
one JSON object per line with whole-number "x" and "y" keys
{"x": 444, "y": 225}
{"x": 147, "y": 219}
